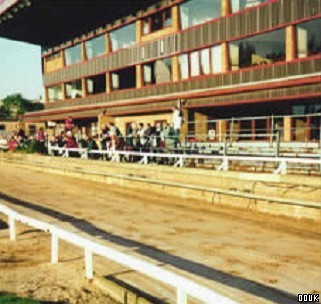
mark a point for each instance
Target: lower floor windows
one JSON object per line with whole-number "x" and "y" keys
{"x": 74, "y": 89}
{"x": 123, "y": 79}
{"x": 257, "y": 50}
{"x": 159, "y": 71}
{"x": 203, "y": 62}
{"x": 55, "y": 93}
{"x": 96, "y": 84}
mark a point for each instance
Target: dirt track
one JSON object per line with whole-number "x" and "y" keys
{"x": 251, "y": 257}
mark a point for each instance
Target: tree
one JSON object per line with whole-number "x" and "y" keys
{"x": 16, "y": 104}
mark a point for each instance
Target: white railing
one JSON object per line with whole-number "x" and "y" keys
{"x": 180, "y": 159}
{"x": 184, "y": 287}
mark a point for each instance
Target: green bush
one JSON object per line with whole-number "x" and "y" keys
{"x": 10, "y": 299}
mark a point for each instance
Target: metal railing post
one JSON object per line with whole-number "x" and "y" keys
{"x": 89, "y": 264}
{"x": 181, "y": 296}
{"x": 12, "y": 228}
{"x": 54, "y": 248}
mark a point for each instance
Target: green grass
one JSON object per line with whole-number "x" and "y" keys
{"x": 10, "y": 299}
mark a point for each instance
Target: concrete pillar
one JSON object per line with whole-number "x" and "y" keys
{"x": 139, "y": 30}
{"x": 46, "y": 95}
{"x": 139, "y": 76}
{"x": 108, "y": 83}
{"x": 287, "y": 125}
{"x": 176, "y": 18}
{"x": 201, "y": 126}
{"x": 226, "y": 8}
{"x": 63, "y": 90}
{"x": 83, "y": 52}
{"x": 83, "y": 87}
{"x": 108, "y": 43}
{"x": 184, "y": 128}
{"x": 221, "y": 129}
{"x": 290, "y": 43}
{"x": 225, "y": 57}
{"x": 175, "y": 65}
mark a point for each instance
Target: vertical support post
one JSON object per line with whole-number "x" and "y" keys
{"x": 89, "y": 264}
{"x": 181, "y": 296}
{"x": 12, "y": 228}
{"x": 54, "y": 248}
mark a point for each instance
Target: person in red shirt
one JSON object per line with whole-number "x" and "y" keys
{"x": 69, "y": 124}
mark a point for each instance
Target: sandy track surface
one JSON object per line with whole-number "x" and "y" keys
{"x": 252, "y": 258}
{"x": 25, "y": 270}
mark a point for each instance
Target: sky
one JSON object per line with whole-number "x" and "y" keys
{"x": 20, "y": 69}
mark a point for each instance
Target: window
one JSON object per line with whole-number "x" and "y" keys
{"x": 309, "y": 38}
{"x": 123, "y": 37}
{"x": 238, "y": 5}
{"x": 96, "y": 84}
{"x": 74, "y": 89}
{"x": 157, "y": 21}
{"x": 53, "y": 56}
{"x": 95, "y": 47}
{"x": 2, "y": 127}
{"x": 203, "y": 62}
{"x": 258, "y": 50}
{"x": 123, "y": 79}
{"x": 55, "y": 93}
{"x": 159, "y": 71}
{"x": 73, "y": 54}
{"x": 195, "y": 12}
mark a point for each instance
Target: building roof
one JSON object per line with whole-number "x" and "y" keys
{"x": 51, "y": 22}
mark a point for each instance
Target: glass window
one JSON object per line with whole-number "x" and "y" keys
{"x": 95, "y": 47}
{"x": 159, "y": 71}
{"x": 194, "y": 12}
{"x": 55, "y": 93}
{"x": 309, "y": 38}
{"x": 124, "y": 78}
{"x": 96, "y": 84}
{"x": 73, "y": 54}
{"x": 258, "y": 50}
{"x": 195, "y": 64}
{"x": 123, "y": 37}
{"x": 238, "y": 5}
{"x": 205, "y": 62}
{"x": 216, "y": 59}
{"x": 74, "y": 89}
{"x": 183, "y": 66}
{"x": 157, "y": 21}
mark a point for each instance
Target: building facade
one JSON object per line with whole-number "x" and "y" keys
{"x": 221, "y": 59}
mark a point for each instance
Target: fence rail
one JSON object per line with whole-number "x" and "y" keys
{"x": 184, "y": 287}
{"x": 180, "y": 159}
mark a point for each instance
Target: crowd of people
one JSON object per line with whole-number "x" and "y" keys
{"x": 138, "y": 137}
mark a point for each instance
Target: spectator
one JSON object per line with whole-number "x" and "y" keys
{"x": 13, "y": 143}
{"x": 170, "y": 137}
{"x": 41, "y": 140}
{"x": 104, "y": 137}
{"x": 71, "y": 142}
{"x": 177, "y": 121}
{"x": 69, "y": 124}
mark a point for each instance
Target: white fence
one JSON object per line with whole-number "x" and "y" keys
{"x": 281, "y": 163}
{"x": 184, "y": 287}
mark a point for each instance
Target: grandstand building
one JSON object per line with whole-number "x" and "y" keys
{"x": 219, "y": 59}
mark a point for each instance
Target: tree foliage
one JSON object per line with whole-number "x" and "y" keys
{"x": 16, "y": 104}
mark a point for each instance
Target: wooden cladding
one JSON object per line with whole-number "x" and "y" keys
{"x": 240, "y": 77}
{"x": 248, "y": 22}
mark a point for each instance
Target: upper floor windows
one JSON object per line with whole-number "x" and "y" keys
{"x": 73, "y": 55}
{"x": 237, "y": 5}
{"x": 309, "y": 38}
{"x": 258, "y": 50}
{"x": 157, "y": 21}
{"x": 194, "y": 12}
{"x": 95, "y": 47}
{"x": 123, "y": 37}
